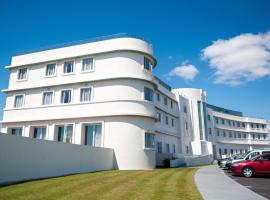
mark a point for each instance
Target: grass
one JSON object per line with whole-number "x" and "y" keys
{"x": 159, "y": 184}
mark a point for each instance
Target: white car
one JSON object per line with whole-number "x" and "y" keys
{"x": 251, "y": 154}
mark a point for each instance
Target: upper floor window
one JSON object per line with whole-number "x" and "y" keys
{"x": 87, "y": 64}
{"x": 158, "y": 97}
{"x": 148, "y": 94}
{"x": 168, "y": 148}
{"x": 167, "y": 120}
{"x": 47, "y": 98}
{"x": 229, "y": 122}
{"x": 171, "y": 104}
{"x": 257, "y": 126}
{"x": 85, "y": 94}
{"x": 252, "y": 125}
{"x": 68, "y": 67}
{"x": 173, "y": 148}
{"x": 18, "y": 101}
{"x": 149, "y": 140}
{"x": 208, "y": 117}
{"x": 165, "y": 101}
{"x": 159, "y": 147}
{"x": 186, "y": 126}
{"x": 185, "y": 109}
{"x": 218, "y": 133}
{"x": 159, "y": 116}
{"x": 223, "y": 121}
{"x": 216, "y": 119}
{"x": 172, "y": 122}
{"x": 66, "y": 96}
{"x": 243, "y": 125}
{"x": 22, "y": 74}
{"x": 147, "y": 64}
{"x": 50, "y": 69}
{"x": 224, "y": 134}
{"x": 16, "y": 131}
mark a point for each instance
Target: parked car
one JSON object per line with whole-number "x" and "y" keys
{"x": 251, "y": 154}
{"x": 223, "y": 162}
{"x": 257, "y": 165}
{"x": 232, "y": 158}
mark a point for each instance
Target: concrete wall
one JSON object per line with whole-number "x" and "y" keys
{"x": 26, "y": 158}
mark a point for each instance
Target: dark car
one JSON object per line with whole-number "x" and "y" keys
{"x": 260, "y": 165}
{"x": 232, "y": 158}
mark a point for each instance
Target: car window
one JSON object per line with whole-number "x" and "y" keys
{"x": 264, "y": 152}
{"x": 266, "y": 158}
{"x": 252, "y": 155}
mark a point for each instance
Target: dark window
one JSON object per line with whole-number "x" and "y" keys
{"x": 165, "y": 101}
{"x": 208, "y": 117}
{"x": 266, "y": 157}
{"x": 158, "y": 97}
{"x": 147, "y": 64}
{"x": 148, "y": 94}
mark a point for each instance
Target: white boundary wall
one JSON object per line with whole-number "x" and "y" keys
{"x": 26, "y": 158}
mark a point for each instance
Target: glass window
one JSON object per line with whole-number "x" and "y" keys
{"x": 68, "y": 67}
{"x": 209, "y": 131}
{"x": 266, "y": 157}
{"x": 252, "y": 155}
{"x": 186, "y": 125}
{"x": 16, "y": 131}
{"x": 238, "y": 124}
{"x": 47, "y": 98}
{"x": 65, "y": 133}
{"x": 167, "y": 120}
{"x": 168, "y": 148}
{"x": 229, "y": 122}
{"x": 147, "y": 64}
{"x": 171, "y": 104}
{"x": 230, "y": 134}
{"x": 253, "y": 136}
{"x": 259, "y": 136}
{"x": 252, "y": 125}
{"x": 148, "y": 94}
{"x": 239, "y": 135}
{"x": 223, "y": 121}
{"x": 243, "y": 125}
{"x": 216, "y": 120}
{"x": 18, "y": 101}
{"x": 40, "y": 133}
{"x": 149, "y": 140}
{"x": 185, "y": 109}
{"x": 219, "y": 150}
{"x": 22, "y": 74}
{"x": 218, "y": 133}
{"x": 93, "y": 135}
{"x": 208, "y": 117}
{"x": 158, "y": 97}
{"x": 159, "y": 116}
{"x": 224, "y": 134}
{"x": 231, "y": 151}
{"x": 165, "y": 101}
{"x": 245, "y": 135}
{"x": 172, "y": 122}
{"x": 50, "y": 69}
{"x": 225, "y": 151}
{"x": 159, "y": 147}
{"x": 87, "y": 64}
{"x": 66, "y": 96}
{"x": 85, "y": 94}
{"x": 173, "y": 147}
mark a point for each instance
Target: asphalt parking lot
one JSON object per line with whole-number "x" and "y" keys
{"x": 259, "y": 184}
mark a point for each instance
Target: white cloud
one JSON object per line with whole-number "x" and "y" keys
{"x": 240, "y": 59}
{"x": 187, "y": 72}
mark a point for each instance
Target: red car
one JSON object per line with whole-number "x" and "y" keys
{"x": 248, "y": 168}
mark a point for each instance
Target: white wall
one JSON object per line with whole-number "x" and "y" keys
{"x": 26, "y": 158}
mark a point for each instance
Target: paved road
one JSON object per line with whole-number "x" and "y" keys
{"x": 259, "y": 184}
{"x": 214, "y": 184}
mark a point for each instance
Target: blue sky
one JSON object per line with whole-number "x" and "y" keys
{"x": 178, "y": 30}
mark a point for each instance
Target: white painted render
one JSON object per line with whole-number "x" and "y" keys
{"x": 117, "y": 82}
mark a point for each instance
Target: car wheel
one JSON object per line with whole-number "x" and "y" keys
{"x": 247, "y": 172}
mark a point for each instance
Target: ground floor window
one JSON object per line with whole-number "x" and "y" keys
{"x": 40, "y": 133}
{"x": 168, "y": 148}
{"x": 16, "y": 131}
{"x": 173, "y": 147}
{"x": 159, "y": 147}
{"x": 149, "y": 140}
{"x": 93, "y": 135}
{"x": 65, "y": 133}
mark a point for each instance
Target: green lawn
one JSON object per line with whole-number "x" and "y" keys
{"x": 169, "y": 184}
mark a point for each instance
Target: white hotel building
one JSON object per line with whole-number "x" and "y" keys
{"x": 103, "y": 93}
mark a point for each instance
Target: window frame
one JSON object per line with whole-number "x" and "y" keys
{"x": 55, "y": 70}
{"x": 91, "y": 94}
{"x": 46, "y": 91}
{"x": 23, "y": 101}
{"x": 74, "y": 67}
{"x": 151, "y": 96}
{"x": 18, "y": 72}
{"x": 145, "y": 141}
{"x": 93, "y": 65}
{"x": 71, "y": 96}
{"x": 151, "y": 65}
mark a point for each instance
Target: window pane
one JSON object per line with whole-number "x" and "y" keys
{"x": 147, "y": 64}
{"x": 40, "y": 133}
{"x": 87, "y": 64}
{"x": 22, "y": 74}
{"x": 66, "y": 96}
{"x": 47, "y": 98}
{"x": 85, "y": 94}
{"x": 65, "y": 133}
{"x": 149, "y": 140}
{"x": 93, "y": 135}
{"x": 68, "y": 67}
{"x": 50, "y": 70}
{"x": 148, "y": 94}
{"x": 159, "y": 147}
{"x": 18, "y": 102}
{"x": 16, "y": 131}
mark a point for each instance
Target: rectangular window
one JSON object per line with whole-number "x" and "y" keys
{"x": 216, "y": 119}
{"x": 218, "y": 133}
{"x": 93, "y": 135}
{"x": 87, "y": 64}
{"x": 158, "y": 97}
{"x": 149, "y": 140}
{"x": 229, "y": 122}
{"x": 40, "y": 133}
{"x": 168, "y": 148}
{"x": 171, "y": 104}
{"x": 186, "y": 126}
{"x": 239, "y": 135}
{"x": 245, "y": 135}
{"x": 22, "y": 74}
{"x": 252, "y": 125}
{"x": 238, "y": 124}
{"x": 16, "y": 131}
{"x": 185, "y": 109}
{"x": 223, "y": 121}
{"x": 165, "y": 101}
{"x": 159, "y": 147}
{"x": 47, "y": 98}
{"x": 85, "y": 94}
{"x": 230, "y": 134}
{"x": 18, "y": 101}
{"x": 224, "y": 134}
{"x": 68, "y": 67}
{"x": 65, "y": 133}
{"x": 148, "y": 94}
{"x": 147, "y": 64}
{"x": 253, "y": 136}
{"x": 231, "y": 151}
{"x": 159, "y": 116}
{"x": 66, "y": 96}
{"x": 225, "y": 151}
{"x": 173, "y": 147}
{"x": 167, "y": 120}
{"x": 243, "y": 125}
{"x": 172, "y": 122}
{"x": 50, "y": 69}
{"x": 208, "y": 117}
